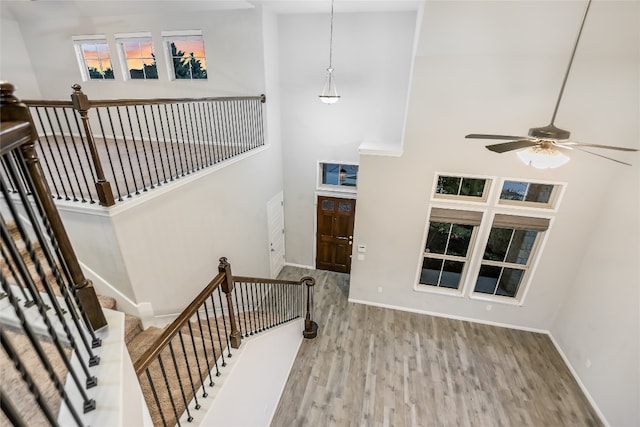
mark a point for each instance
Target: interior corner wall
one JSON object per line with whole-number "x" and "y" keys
{"x": 598, "y": 325}
{"x": 463, "y": 82}
{"x": 371, "y": 58}
{"x": 15, "y": 63}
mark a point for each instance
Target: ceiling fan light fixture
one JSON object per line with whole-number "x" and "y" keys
{"x": 541, "y": 157}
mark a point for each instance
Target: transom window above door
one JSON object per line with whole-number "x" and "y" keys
{"x": 338, "y": 176}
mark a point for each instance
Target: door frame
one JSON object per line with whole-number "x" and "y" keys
{"x": 337, "y": 195}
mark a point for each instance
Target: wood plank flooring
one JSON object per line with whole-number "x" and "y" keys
{"x": 371, "y": 366}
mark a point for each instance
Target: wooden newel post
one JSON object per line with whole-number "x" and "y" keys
{"x": 227, "y": 288}
{"x": 12, "y": 109}
{"x": 310, "y": 327}
{"x": 103, "y": 187}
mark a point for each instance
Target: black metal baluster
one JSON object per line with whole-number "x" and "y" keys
{"x": 88, "y": 404}
{"x": 137, "y": 152}
{"x": 86, "y": 154}
{"x": 184, "y": 141}
{"x": 230, "y": 131}
{"x": 144, "y": 150}
{"x": 262, "y": 309}
{"x": 195, "y": 137}
{"x": 200, "y": 127}
{"x": 57, "y": 157}
{"x": 204, "y": 129}
{"x": 91, "y": 381}
{"x": 184, "y": 397}
{"x": 195, "y": 353}
{"x": 166, "y": 383}
{"x": 43, "y": 219}
{"x": 67, "y": 158}
{"x": 260, "y": 125}
{"x": 204, "y": 348}
{"x": 157, "y": 144}
{"x": 213, "y": 343}
{"x": 106, "y": 148}
{"x": 217, "y": 140}
{"x": 83, "y": 174}
{"x": 177, "y": 143}
{"x": 270, "y": 305}
{"x": 163, "y": 142}
{"x": 244, "y": 312}
{"x": 40, "y": 147}
{"x": 247, "y": 124}
{"x": 256, "y": 319}
{"x": 242, "y": 125}
{"x": 215, "y": 316}
{"x": 126, "y": 147}
{"x": 10, "y": 411}
{"x": 93, "y": 360}
{"x": 155, "y": 397}
{"x": 186, "y": 359}
{"x": 224, "y": 322}
{"x": 224, "y": 141}
{"x": 191, "y": 138}
{"x": 115, "y": 142}
{"x": 28, "y": 302}
{"x": 30, "y": 383}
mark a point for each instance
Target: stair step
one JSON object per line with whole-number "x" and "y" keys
{"x": 132, "y": 327}
{"x": 107, "y": 302}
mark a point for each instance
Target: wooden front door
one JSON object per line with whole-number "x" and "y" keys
{"x": 335, "y": 233}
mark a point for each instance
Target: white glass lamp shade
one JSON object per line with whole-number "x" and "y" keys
{"x": 542, "y": 157}
{"x": 329, "y": 92}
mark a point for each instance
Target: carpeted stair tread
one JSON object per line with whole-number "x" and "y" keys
{"x": 107, "y": 302}
{"x": 132, "y": 327}
{"x": 142, "y": 341}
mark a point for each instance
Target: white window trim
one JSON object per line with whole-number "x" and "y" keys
{"x": 553, "y": 205}
{"x": 130, "y": 37}
{"x": 488, "y": 192}
{"x": 467, "y": 270}
{"x": 536, "y": 254}
{"x": 77, "y": 43}
{"x": 335, "y": 189}
{"x": 176, "y": 35}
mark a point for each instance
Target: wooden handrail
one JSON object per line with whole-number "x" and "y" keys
{"x": 172, "y": 330}
{"x": 125, "y": 102}
{"x": 259, "y": 280}
{"x": 14, "y": 134}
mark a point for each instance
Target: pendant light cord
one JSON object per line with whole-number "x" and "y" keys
{"x": 331, "y": 38}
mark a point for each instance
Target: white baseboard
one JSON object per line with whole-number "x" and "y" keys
{"x": 451, "y": 316}
{"x": 579, "y": 381}
{"x": 308, "y": 267}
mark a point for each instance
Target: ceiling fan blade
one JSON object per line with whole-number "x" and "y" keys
{"x": 484, "y": 136}
{"x": 511, "y": 146}
{"x": 599, "y": 155}
{"x": 573, "y": 144}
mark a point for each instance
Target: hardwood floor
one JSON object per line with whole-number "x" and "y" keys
{"x": 372, "y": 366}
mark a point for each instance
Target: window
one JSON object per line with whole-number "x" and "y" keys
{"x": 137, "y": 56}
{"x": 185, "y": 54}
{"x": 93, "y": 57}
{"x": 530, "y": 194}
{"x": 462, "y": 188}
{"x": 448, "y": 247}
{"x": 508, "y": 254}
{"x": 339, "y": 175}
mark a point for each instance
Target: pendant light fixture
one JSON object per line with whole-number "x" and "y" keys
{"x": 329, "y": 92}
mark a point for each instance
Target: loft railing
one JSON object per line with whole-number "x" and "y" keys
{"x": 178, "y": 370}
{"x": 110, "y": 150}
{"x": 49, "y": 310}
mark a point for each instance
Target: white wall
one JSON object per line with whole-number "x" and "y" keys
{"x": 371, "y": 58}
{"x": 232, "y": 38}
{"x": 463, "y": 82}
{"x": 484, "y": 67}
{"x": 599, "y": 322}
{"x": 15, "y": 64}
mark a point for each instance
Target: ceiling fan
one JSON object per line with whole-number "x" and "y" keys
{"x": 545, "y": 143}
